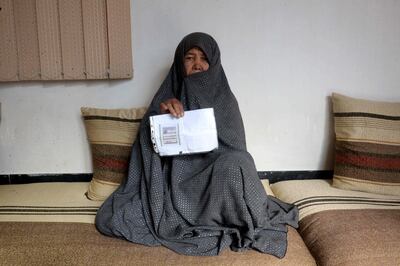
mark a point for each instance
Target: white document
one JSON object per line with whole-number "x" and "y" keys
{"x": 195, "y": 132}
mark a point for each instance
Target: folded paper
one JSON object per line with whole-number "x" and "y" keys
{"x": 195, "y": 132}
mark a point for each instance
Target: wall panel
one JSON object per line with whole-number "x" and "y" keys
{"x": 27, "y": 39}
{"x": 65, "y": 40}
{"x": 73, "y": 53}
{"x": 49, "y": 39}
{"x": 8, "y": 45}
{"x": 95, "y": 32}
{"x": 119, "y": 32}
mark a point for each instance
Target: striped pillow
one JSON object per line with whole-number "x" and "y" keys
{"x": 367, "y": 145}
{"x": 111, "y": 133}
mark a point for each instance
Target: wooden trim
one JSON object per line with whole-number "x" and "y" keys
{"x": 277, "y": 176}
{"x": 273, "y": 176}
{"x": 39, "y": 178}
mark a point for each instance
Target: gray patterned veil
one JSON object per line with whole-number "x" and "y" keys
{"x": 197, "y": 204}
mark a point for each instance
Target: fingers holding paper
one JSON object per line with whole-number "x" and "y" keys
{"x": 172, "y": 106}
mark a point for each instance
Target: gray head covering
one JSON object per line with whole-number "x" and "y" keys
{"x": 197, "y": 204}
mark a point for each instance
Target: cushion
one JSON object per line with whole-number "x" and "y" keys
{"x": 62, "y": 202}
{"x": 111, "y": 133}
{"x": 267, "y": 187}
{"x": 367, "y": 145}
{"x": 318, "y": 195}
{"x": 81, "y": 244}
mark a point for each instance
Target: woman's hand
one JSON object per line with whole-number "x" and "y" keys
{"x": 172, "y": 106}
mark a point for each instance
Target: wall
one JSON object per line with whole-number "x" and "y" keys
{"x": 282, "y": 58}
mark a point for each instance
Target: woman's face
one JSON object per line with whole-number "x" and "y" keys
{"x": 195, "y": 61}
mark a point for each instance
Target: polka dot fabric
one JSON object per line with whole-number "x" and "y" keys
{"x": 197, "y": 204}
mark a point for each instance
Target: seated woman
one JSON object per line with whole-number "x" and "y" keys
{"x": 202, "y": 203}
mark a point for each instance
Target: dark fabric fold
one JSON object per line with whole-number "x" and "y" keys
{"x": 197, "y": 204}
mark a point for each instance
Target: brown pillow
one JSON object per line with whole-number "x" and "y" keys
{"x": 111, "y": 133}
{"x": 367, "y": 145}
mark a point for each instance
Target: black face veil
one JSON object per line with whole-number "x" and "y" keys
{"x": 197, "y": 204}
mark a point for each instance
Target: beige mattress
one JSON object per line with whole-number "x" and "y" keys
{"x": 312, "y": 196}
{"x": 47, "y": 202}
{"x": 52, "y": 224}
{"x": 343, "y": 227}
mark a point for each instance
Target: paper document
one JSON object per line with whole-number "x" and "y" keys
{"x": 195, "y": 132}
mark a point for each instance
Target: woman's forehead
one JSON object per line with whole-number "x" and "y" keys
{"x": 195, "y": 50}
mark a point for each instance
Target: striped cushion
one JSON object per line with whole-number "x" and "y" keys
{"x": 367, "y": 145}
{"x": 111, "y": 133}
{"x": 318, "y": 195}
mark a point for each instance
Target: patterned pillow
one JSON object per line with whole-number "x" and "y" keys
{"x": 111, "y": 133}
{"x": 367, "y": 145}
